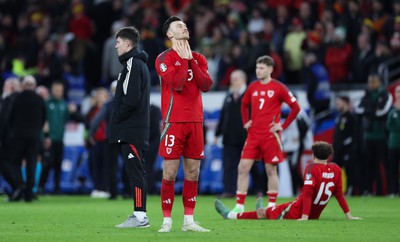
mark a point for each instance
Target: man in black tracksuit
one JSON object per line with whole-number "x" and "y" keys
{"x": 130, "y": 121}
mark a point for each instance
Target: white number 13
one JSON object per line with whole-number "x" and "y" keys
{"x": 169, "y": 140}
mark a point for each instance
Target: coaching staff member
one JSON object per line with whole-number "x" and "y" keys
{"x": 130, "y": 120}
{"x": 26, "y": 120}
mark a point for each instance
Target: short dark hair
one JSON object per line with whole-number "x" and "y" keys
{"x": 266, "y": 59}
{"x": 130, "y": 33}
{"x": 345, "y": 99}
{"x": 322, "y": 150}
{"x": 167, "y": 23}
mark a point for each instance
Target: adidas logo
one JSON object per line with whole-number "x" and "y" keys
{"x": 193, "y": 199}
{"x": 168, "y": 201}
{"x": 130, "y": 156}
{"x": 177, "y": 63}
{"x": 275, "y": 159}
{"x": 255, "y": 94}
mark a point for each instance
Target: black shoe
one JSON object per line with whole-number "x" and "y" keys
{"x": 29, "y": 196}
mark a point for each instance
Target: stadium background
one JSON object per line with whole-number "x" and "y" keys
{"x": 26, "y": 25}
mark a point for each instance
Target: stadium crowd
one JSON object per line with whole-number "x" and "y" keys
{"x": 73, "y": 42}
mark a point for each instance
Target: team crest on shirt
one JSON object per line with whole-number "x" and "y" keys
{"x": 163, "y": 67}
{"x": 169, "y": 150}
{"x": 270, "y": 93}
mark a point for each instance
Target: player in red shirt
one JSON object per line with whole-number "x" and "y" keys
{"x": 321, "y": 181}
{"x": 183, "y": 75}
{"x": 263, "y": 100}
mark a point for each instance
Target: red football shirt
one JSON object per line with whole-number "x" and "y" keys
{"x": 182, "y": 81}
{"x": 262, "y": 104}
{"x": 320, "y": 183}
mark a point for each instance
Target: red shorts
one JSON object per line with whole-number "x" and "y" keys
{"x": 270, "y": 149}
{"x": 179, "y": 139}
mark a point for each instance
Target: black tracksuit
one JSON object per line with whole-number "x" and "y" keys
{"x": 26, "y": 120}
{"x": 130, "y": 121}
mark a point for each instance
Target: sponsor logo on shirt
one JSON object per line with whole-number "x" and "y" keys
{"x": 163, "y": 67}
{"x": 262, "y": 93}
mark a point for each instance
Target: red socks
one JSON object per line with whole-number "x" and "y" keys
{"x": 167, "y": 197}
{"x": 272, "y": 197}
{"x": 240, "y": 198}
{"x": 247, "y": 215}
{"x": 189, "y": 196}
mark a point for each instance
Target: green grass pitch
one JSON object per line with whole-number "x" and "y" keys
{"x": 81, "y": 218}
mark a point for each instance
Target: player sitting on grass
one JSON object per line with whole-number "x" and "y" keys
{"x": 321, "y": 180}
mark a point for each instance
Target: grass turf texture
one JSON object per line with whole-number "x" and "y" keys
{"x": 81, "y": 218}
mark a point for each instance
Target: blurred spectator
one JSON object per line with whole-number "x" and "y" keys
{"x": 26, "y": 120}
{"x": 256, "y": 22}
{"x": 338, "y": 57}
{"x": 11, "y": 88}
{"x": 381, "y": 55}
{"x": 373, "y": 108}
{"x": 57, "y": 117}
{"x": 104, "y": 115}
{"x": 395, "y": 38}
{"x": 230, "y": 126}
{"x": 293, "y": 54}
{"x": 393, "y": 125}
{"x": 49, "y": 64}
{"x": 344, "y": 142}
{"x": 110, "y": 63}
{"x": 313, "y": 43}
{"x": 306, "y": 16}
{"x": 363, "y": 59}
{"x": 353, "y": 21}
{"x": 379, "y": 17}
{"x": 317, "y": 84}
{"x": 98, "y": 143}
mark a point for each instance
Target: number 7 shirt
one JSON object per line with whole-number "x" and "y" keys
{"x": 262, "y": 104}
{"x": 182, "y": 81}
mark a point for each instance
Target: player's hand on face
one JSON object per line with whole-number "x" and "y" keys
{"x": 248, "y": 124}
{"x": 182, "y": 49}
{"x": 275, "y": 127}
{"x": 189, "y": 50}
